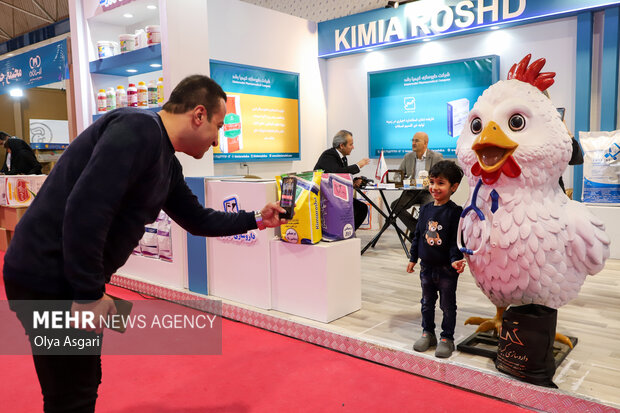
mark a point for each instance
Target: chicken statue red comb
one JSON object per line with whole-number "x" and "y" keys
{"x": 531, "y": 74}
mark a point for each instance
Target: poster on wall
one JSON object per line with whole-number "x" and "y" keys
{"x": 262, "y": 114}
{"x": 49, "y": 134}
{"x": 435, "y": 99}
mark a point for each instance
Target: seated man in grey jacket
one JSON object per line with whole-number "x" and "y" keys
{"x": 420, "y": 159}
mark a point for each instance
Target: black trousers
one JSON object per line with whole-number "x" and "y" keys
{"x": 360, "y": 211}
{"x": 406, "y": 201}
{"x": 69, "y": 383}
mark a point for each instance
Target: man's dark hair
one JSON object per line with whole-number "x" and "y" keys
{"x": 195, "y": 90}
{"x": 4, "y": 136}
{"x": 448, "y": 170}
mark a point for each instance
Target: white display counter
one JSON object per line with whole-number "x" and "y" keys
{"x": 321, "y": 281}
{"x": 239, "y": 266}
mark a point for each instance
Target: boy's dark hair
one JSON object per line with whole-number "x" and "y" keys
{"x": 4, "y": 136}
{"x": 195, "y": 90}
{"x": 447, "y": 169}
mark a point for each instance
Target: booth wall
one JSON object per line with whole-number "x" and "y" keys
{"x": 42, "y": 103}
{"x": 347, "y": 92}
{"x": 251, "y": 35}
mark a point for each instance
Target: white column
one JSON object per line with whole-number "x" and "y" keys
{"x": 185, "y": 51}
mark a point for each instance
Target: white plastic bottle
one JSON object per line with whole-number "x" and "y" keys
{"x": 152, "y": 94}
{"x": 132, "y": 96}
{"x": 110, "y": 99}
{"x": 101, "y": 101}
{"x": 121, "y": 97}
{"x": 160, "y": 91}
{"x": 143, "y": 98}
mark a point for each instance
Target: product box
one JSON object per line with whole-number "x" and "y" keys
{"x": 305, "y": 226}
{"x": 5, "y": 238}
{"x": 337, "y": 206}
{"x": 601, "y": 167}
{"x": 458, "y": 110}
{"x": 10, "y": 216}
{"x": 19, "y": 190}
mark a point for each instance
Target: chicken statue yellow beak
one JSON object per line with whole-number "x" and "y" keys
{"x": 493, "y": 147}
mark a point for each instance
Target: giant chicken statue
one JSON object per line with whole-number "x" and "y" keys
{"x": 526, "y": 242}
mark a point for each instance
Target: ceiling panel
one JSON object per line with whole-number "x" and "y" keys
{"x": 320, "y": 10}
{"x": 15, "y": 22}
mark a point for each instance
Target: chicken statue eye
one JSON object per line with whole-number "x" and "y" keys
{"x": 476, "y": 126}
{"x": 516, "y": 122}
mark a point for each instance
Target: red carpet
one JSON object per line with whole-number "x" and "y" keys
{"x": 259, "y": 371}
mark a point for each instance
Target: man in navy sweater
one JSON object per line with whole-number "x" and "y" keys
{"x": 90, "y": 213}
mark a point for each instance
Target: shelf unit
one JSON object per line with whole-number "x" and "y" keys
{"x": 125, "y": 68}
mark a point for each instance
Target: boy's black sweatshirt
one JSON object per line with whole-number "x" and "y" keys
{"x": 437, "y": 223}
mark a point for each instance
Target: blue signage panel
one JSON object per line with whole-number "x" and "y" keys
{"x": 262, "y": 114}
{"x": 426, "y": 19}
{"x": 47, "y": 64}
{"x": 435, "y": 99}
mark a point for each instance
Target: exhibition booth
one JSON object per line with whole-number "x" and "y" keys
{"x": 305, "y": 82}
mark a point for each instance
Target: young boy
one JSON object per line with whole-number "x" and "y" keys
{"x": 434, "y": 242}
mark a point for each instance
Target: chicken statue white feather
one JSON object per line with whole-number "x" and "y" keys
{"x": 531, "y": 244}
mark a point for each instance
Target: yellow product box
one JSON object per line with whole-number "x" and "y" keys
{"x": 19, "y": 190}
{"x": 305, "y": 227}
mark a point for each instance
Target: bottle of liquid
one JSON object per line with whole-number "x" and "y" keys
{"x": 143, "y": 99}
{"x": 160, "y": 91}
{"x": 132, "y": 96}
{"x": 121, "y": 97}
{"x": 101, "y": 101}
{"x": 110, "y": 95}
{"x": 152, "y": 94}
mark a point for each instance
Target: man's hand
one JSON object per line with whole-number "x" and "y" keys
{"x": 101, "y": 309}
{"x": 271, "y": 215}
{"x": 363, "y": 162}
{"x": 410, "y": 267}
{"x": 459, "y": 265}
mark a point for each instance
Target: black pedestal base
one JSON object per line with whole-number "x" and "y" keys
{"x": 485, "y": 345}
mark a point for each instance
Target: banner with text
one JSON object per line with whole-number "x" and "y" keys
{"x": 47, "y": 64}
{"x": 427, "y": 19}
{"x": 435, "y": 99}
{"x": 262, "y": 114}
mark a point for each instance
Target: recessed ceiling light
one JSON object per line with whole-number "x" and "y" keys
{"x": 10, "y": 54}
{"x": 151, "y": 7}
{"x": 494, "y": 27}
{"x": 426, "y": 40}
{"x": 132, "y": 70}
{"x": 128, "y": 15}
{"x": 155, "y": 65}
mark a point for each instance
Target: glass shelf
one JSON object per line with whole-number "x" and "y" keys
{"x": 139, "y": 60}
{"x": 157, "y": 109}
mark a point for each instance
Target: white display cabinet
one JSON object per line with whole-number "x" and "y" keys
{"x": 155, "y": 271}
{"x": 322, "y": 282}
{"x": 91, "y": 23}
{"x": 239, "y": 268}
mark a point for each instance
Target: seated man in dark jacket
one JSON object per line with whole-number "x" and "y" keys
{"x": 20, "y": 158}
{"x": 334, "y": 160}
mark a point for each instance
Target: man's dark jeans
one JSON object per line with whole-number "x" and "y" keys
{"x": 442, "y": 280}
{"x": 69, "y": 383}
